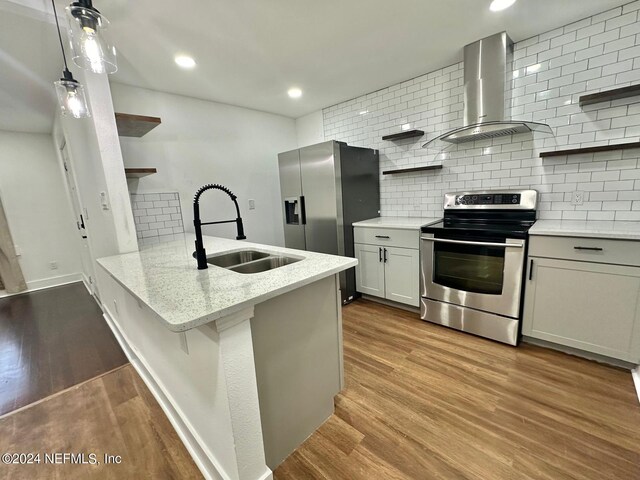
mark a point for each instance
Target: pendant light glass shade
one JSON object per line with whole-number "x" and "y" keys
{"x": 91, "y": 48}
{"x": 71, "y": 98}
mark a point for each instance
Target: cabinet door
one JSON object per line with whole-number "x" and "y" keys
{"x": 589, "y": 306}
{"x": 370, "y": 270}
{"x": 402, "y": 275}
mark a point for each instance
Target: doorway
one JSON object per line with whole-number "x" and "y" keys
{"x": 82, "y": 219}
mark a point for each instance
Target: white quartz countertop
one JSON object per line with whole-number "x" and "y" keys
{"x": 403, "y": 223}
{"x": 594, "y": 229}
{"x": 166, "y": 279}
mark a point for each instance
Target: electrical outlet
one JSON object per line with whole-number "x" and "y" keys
{"x": 18, "y": 251}
{"x": 252, "y": 204}
{"x": 53, "y": 265}
{"x": 577, "y": 197}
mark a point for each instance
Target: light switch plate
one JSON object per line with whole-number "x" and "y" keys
{"x": 104, "y": 200}
{"x": 252, "y": 204}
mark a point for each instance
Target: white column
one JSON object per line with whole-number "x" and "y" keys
{"x": 236, "y": 347}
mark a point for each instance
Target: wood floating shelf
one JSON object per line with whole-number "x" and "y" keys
{"x": 413, "y": 169}
{"x": 609, "y": 95}
{"x": 135, "y": 125}
{"x": 139, "y": 172}
{"x": 604, "y": 148}
{"x": 403, "y": 135}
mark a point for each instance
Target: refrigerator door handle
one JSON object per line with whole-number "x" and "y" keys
{"x": 303, "y": 211}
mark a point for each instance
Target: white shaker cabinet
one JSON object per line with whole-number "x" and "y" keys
{"x": 388, "y": 264}
{"x": 402, "y": 275}
{"x": 584, "y": 293}
{"x": 370, "y": 270}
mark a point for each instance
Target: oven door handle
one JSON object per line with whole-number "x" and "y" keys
{"x": 481, "y": 244}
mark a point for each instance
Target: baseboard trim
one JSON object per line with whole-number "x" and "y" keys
{"x": 635, "y": 373}
{"x": 391, "y": 303}
{"x": 45, "y": 283}
{"x": 205, "y": 462}
{"x": 613, "y": 362}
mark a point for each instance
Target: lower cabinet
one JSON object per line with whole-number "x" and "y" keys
{"x": 370, "y": 270}
{"x": 589, "y": 306}
{"x": 388, "y": 272}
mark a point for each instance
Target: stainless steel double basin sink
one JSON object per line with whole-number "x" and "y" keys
{"x": 250, "y": 261}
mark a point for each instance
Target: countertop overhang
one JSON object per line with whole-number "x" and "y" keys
{"x": 165, "y": 278}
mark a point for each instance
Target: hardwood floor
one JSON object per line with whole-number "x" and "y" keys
{"x": 421, "y": 402}
{"x": 426, "y": 402}
{"x": 113, "y": 414}
{"x": 50, "y": 340}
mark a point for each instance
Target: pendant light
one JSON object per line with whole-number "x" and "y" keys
{"x": 88, "y": 33}
{"x": 70, "y": 93}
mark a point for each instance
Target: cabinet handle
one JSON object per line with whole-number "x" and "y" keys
{"x": 592, "y": 249}
{"x": 379, "y": 254}
{"x": 383, "y": 236}
{"x": 531, "y": 269}
{"x": 385, "y": 255}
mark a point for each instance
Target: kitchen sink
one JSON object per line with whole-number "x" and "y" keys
{"x": 264, "y": 264}
{"x": 228, "y": 260}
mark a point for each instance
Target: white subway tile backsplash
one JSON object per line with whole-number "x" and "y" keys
{"x": 572, "y": 27}
{"x": 551, "y": 72}
{"x": 601, "y": 17}
{"x": 603, "y": 59}
{"x": 590, "y": 31}
{"x": 157, "y": 216}
{"x": 621, "y": 21}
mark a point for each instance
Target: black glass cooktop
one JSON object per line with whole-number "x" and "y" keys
{"x": 487, "y": 224}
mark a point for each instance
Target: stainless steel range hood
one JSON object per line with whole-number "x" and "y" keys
{"x": 487, "y": 71}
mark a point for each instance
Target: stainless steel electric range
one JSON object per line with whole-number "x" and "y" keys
{"x": 473, "y": 263}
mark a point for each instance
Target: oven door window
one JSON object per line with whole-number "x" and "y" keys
{"x": 469, "y": 268}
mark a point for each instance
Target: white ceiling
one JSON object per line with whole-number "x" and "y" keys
{"x": 250, "y": 53}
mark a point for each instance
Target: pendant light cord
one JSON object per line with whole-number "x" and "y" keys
{"x": 55, "y": 14}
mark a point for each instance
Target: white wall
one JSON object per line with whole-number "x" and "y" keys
{"x": 551, "y": 71}
{"x": 310, "y": 129}
{"x": 39, "y": 215}
{"x": 96, "y": 159}
{"x": 201, "y": 142}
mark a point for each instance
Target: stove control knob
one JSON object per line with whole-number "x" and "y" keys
{"x": 515, "y": 200}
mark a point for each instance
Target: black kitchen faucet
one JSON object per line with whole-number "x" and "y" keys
{"x": 200, "y": 254}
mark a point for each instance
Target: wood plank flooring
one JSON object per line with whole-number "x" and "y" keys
{"x": 50, "y": 340}
{"x": 421, "y": 402}
{"x": 426, "y": 402}
{"x": 113, "y": 414}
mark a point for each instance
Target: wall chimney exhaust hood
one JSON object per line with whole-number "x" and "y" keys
{"x": 487, "y": 114}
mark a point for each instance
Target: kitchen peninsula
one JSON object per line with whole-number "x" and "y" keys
{"x": 244, "y": 357}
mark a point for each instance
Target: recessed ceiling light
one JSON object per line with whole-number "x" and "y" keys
{"x": 185, "y": 61}
{"x": 498, "y": 5}
{"x": 295, "y": 92}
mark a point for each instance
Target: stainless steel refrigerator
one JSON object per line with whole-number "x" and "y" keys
{"x": 325, "y": 188}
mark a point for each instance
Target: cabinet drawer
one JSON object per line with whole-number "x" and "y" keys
{"x": 597, "y": 250}
{"x": 391, "y": 237}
